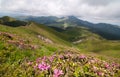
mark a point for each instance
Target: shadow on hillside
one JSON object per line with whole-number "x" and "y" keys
{"x": 16, "y": 23}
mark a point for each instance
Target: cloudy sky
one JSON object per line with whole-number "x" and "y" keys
{"x": 92, "y": 10}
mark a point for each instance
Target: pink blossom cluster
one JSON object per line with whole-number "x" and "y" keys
{"x": 43, "y": 66}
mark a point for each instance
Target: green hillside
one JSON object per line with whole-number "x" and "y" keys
{"x": 88, "y": 41}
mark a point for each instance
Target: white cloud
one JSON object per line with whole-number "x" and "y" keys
{"x": 103, "y": 9}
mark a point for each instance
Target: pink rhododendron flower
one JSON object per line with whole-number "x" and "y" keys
{"x": 100, "y": 73}
{"x": 35, "y": 67}
{"x": 37, "y": 60}
{"x": 61, "y": 56}
{"x": 57, "y": 73}
{"x": 51, "y": 58}
{"x": 43, "y": 66}
{"x": 95, "y": 68}
{"x": 69, "y": 54}
{"x": 92, "y": 61}
{"x": 115, "y": 65}
{"x": 44, "y": 58}
{"x": 29, "y": 63}
{"x": 107, "y": 65}
{"x": 82, "y": 56}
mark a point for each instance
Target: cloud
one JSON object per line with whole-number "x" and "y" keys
{"x": 103, "y": 9}
{"x": 97, "y": 3}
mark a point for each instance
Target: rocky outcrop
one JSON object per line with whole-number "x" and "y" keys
{"x": 46, "y": 40}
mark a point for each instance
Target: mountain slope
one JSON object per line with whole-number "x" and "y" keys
{"x": 107, "y": 31}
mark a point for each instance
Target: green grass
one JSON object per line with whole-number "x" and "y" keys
{"x": 113, "y": 53}
{"x": 101, "y": 47}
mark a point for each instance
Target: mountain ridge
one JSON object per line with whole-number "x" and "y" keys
{"x": 103, "y": 29}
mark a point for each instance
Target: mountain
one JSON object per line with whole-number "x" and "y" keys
{"x": 107, "y": 31}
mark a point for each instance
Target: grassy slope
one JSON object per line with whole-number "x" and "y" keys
{"x": 13, "y": 58}
{"x": 32, "y": 31}
{"x": 29, "y": 33}
{"x": 101, "y": 47}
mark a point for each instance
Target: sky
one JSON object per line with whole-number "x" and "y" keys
{"x": 107, "y": 11}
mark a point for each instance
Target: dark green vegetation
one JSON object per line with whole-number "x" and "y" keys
{"x": 22, "y": 42}
{"x": 12, "y": 22}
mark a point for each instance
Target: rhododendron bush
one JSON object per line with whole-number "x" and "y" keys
{"x": 73, "y": 65}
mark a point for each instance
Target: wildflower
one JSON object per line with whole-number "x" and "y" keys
{"x": 57, "y": 73}
{"x": 43, "y": 66}
{"x": 35, "y": 67}
{"x": 82, "y": 56}
{"x": 115, "y": 65}
{"x": 30, "y": 63}
{"x": 107, "y": 66}
{"x": 61, "y": 56}
{"x": 95, "y": 68}
{"x": 44, "y": 58}
{"x": 100, "y": 73}
{"x": 37, "y": 60}
{"x": 51, "y": 58}
{"x": 92, "y": 61}
{"x": 69, "y": 55}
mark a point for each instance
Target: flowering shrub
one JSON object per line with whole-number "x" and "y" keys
{"x": 57, "y": 73}
{"x": 74, "y": 65}
{"x": 43, "y": 66}
{"x": 17, "y": 41}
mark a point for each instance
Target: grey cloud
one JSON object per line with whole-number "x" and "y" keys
{"x": 98, "y": 2}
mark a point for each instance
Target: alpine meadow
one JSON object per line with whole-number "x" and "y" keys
{"x": 59, "y": 38}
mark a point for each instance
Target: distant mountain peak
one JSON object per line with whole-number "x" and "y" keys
{"x": 74, "y": 17}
